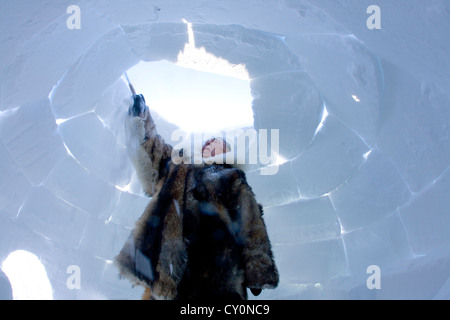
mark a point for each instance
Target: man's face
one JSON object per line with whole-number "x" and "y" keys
{"x": 213, "y": 148}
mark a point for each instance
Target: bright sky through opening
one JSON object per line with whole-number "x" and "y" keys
{"x": 29, "y": 280}
{"x": 200, "y": 93}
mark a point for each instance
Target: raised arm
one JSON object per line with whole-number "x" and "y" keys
{"x": 147, "y": 150}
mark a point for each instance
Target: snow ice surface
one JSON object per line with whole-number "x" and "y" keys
{"x": 364, "y": 124}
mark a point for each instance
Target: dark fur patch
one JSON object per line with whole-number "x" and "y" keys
{"x": 214, "y": 250}
{"x": 226, "y": 244}
{"x": 151, "y": 245}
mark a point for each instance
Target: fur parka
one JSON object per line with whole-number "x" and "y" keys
{"x": 202, "y": 236}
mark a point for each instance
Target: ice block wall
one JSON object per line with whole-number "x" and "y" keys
{"x": 358, "y": 211}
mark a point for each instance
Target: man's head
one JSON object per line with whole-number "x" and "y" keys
{"x": 215, "y": 146}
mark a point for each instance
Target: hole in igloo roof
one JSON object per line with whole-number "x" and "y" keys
{"x": 200, "y": 92}
{"x": 195, "y": 101}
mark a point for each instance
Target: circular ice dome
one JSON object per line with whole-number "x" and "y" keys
{"x": 364, "y": 186}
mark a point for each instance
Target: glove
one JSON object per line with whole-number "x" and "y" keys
{"x": 138, "y": 107}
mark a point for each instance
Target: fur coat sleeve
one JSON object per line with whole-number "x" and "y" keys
{"x": 147, "y": 150}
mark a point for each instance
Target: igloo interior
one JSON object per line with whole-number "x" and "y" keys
{"x": 363, "y": 186}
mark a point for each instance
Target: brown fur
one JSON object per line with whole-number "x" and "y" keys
{"x": 202, "y": 236}
{"x": 147, "y": 294}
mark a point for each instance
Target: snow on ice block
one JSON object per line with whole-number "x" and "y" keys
{"x": 14, "y": 186}
{"x": 128, "y": 209}
{"x": 31, "y": 137}
{"x": 17, "y": 236}
{"x": 96, "y": 148}
{"x": 64, "y": 263}
{"x": 53, "y": 218}
{"x": 82, "y": 188}
{"x": 123, "y": 12}
{"x": 375, "y": 191}
{"x": 103, "y": 239}
{"x": 333, "y": 156}
{"x": 85, "y": 82}
{"x": 354, "y": 95}
{"x": 28, "y": 17}
{"x": 291, "y": 103}
{"x": 262, "y": 53}
{"x": 302, "y": 221}
{"x": 422, "y": 279}
{"x": 21, "y": 21}
{"x": 310, "y": 19}
{"x": 417, "y": 280}
{"x": 427, "y": 218}
{"x": 263, "y": 186}
{"x": 311, "y": 262}
{"x": 412, "y": 33}
{"x": 112, "y": 108}
{"x": 3, "y": 106}
{"x": 383, "y": 243}
{"x": 416, "y": 127}
{"x": 54, "y": 48}
{"x": 158, "y": 41}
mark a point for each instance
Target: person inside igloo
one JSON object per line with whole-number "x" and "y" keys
{"x": 202, "y": 236}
